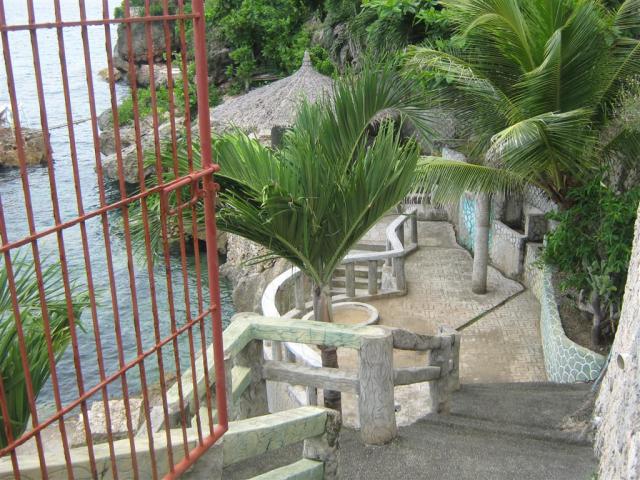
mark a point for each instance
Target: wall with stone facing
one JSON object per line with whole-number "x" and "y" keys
{"x": 617, "y": 412}
{"x": 565, "y": 361}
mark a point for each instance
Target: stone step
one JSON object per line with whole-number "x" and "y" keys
{"x": 305, "y": 468}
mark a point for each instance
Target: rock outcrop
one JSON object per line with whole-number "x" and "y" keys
{"x": 35, "y": 150}
{"x": 617, "y": 415}
{"x": 249, "y": 281}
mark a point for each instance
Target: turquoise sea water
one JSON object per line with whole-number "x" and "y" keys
{"x": 13, "y": 202}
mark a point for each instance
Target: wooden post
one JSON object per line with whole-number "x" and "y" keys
{"x": 414, "y": 228}
{"x": 372, "y": 277}
{"x": 376, "y": 404}
{"x": 254, "y": 401}
{"x": 298, "y": 290}
{"x": 439, "y": 390}
{"x": 324, "y": 448}
{"x": 454, "y": 374}
{"x": 350, "y": 279}
{"x": 398, "y": 273}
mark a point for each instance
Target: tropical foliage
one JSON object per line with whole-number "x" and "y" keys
{"x": 163, "y": 99}
{"x": 341, "y": 167}
{"x": 533, "y": 88}
{"x": 34, "y": 332}
{"x": 591, "y": 248}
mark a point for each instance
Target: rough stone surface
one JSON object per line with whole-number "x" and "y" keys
{"x": 160, "y": 75}
{"x": 249, "y": 281}
{"x": 35, "y": 151}
{"x": 98, "y": 421}
{"x": 139, "y": 51}
{"x": 617, "y": 414}
{"x": 129, "y": 150}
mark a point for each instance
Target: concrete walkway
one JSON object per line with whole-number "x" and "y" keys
{"x": 501, "y": 338}
{"x": 500, "y": 330}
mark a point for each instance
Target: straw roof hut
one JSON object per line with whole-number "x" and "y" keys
{"x": 274, "y": 105}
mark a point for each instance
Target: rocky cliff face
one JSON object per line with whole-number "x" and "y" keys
{"x": 34, "y": 148}
{"x": 617, "y": 413}
{"x": 249, "y": 281}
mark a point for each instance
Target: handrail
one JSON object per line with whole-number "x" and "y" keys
{"x": 248, "y": 370}
{"x": 397, "y": 248}
{"x": 394, "y": 240}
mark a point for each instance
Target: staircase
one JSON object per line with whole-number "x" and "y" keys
{"x": 494, "y": 432}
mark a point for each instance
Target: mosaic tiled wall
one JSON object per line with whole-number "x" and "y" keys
{"x": 565, "y": 360}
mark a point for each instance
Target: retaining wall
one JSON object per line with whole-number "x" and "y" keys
{"x": 565, "y": 361}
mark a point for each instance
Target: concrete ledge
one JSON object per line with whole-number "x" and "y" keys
{"x": 565, "y": 361}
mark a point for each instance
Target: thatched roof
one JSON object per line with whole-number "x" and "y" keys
{"x": 272, "y": 105}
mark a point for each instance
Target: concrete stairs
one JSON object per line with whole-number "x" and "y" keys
{"x": 495, "y": 432}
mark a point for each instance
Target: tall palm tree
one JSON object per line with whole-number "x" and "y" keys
{"x": 534, "y": 88}
{"x": 310, "y": 201}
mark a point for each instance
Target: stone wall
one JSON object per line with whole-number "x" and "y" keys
{"x": 617, "y": 413}
{"x": 565, "y": 361}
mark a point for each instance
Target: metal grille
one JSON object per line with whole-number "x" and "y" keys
{"x": 147, "y": 278}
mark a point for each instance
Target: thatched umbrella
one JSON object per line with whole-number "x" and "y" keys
{"x": 274, "y": 105}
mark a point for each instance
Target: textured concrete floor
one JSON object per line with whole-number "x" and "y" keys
{"x": 500, "y": 330}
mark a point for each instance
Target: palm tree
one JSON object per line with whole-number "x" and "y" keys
{"x": 533, "y": 86}
{"x": 310, "y": 201}
{"x": 14, "y": 377}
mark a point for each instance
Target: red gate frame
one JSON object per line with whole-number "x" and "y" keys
{"x": 207, "y": 192}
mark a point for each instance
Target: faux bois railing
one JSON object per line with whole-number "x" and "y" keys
{"x": 367, "y": 275}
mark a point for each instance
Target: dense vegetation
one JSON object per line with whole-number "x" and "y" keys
{"x": 542, "y": 94}
{"x": 591, "y": 246}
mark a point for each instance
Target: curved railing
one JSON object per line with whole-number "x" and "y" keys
{"x": 381, "y": 274}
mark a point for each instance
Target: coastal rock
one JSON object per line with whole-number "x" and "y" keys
{"x": 129, "y": 150}
{"x": 249, "y": 281}
{"x": 160, "y": 73}
{"x": 104, "y": 74}
{"x": 35, "y": 150}
{"x": 218, "y": 57}
{"x": 98, "y": 422}
{"x": 139, "y": 51}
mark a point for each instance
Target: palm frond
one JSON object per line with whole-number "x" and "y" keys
{"x": 445, "y": 181}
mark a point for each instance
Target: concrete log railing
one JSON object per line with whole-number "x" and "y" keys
{"x": 374, "y": 381}
{"x": 388, "y": 264}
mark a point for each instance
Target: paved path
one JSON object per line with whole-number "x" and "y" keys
{"x": 500, "y": 330}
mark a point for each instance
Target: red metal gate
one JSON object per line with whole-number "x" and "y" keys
{"x": 68, "y": 239}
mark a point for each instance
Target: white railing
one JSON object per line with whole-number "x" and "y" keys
{"x": 388, "y": 264}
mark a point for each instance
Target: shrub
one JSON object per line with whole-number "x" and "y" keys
{"x": 591, "y": 247}
{"x": 145, "y": 106}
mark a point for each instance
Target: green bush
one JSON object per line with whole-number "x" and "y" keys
{"x": 145, "y": 105}
{"x": 591, "y": 245}
{"x": 156, "y": 8}
{"x": 265, "y": 36}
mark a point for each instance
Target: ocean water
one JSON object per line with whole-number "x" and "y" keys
{"x": 13, "y": 203}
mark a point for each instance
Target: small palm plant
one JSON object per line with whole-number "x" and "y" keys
{"x": 533, "y": 86}
{"x": 35, "y": 338}
{"x": 312, "y": 199}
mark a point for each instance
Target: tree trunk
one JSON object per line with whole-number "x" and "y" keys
{"x": 481, "y": 244}
{"x": 323, "y": 312}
